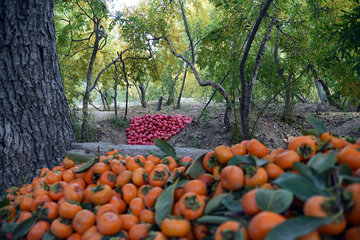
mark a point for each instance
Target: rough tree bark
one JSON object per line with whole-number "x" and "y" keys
{"x": 35, "y": 123}
{"x": 246, "y": 89}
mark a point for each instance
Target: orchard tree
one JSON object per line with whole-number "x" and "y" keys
{"x": 87, "y": 36}
{"x": 35, "y": 124}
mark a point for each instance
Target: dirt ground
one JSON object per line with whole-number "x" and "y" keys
{"x": 210, "y": 132}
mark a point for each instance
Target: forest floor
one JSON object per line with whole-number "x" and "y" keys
{"x": 210, "y": 131}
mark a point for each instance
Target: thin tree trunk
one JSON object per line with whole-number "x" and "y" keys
{"x": 127, "y": 87}
{"x": 245, "y": 96}
{"x": 159, "y": 103}
{"x": 211, "y": 98}
{"x": 170, "y": 99}
{"x": 182, "y": 87}
{"x": 319, "y": 90}
{"x": 86, "y": 99}
{"x": 142, "y": 95}
{"x": 287, "y": 112}
{"x": 115, "y": 89}
{"x": 35, "y": 122}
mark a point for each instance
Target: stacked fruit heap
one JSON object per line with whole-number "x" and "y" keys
{"x": 143, "y": 130}
{"x": 246, "y": 191}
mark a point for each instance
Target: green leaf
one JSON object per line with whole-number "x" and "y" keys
{"x": 344, "y": 170}
{"x": 313, "y": 132}
{"x": 236, "y": 160}
{"x": 303, "y": 170}
{"x": 261, "y": 162}
{"x": 216, "y": 220}
{"x": 239, "y": 235}
{"x": 4, "y": 202}
{"x": 165, "y": 148}
{"x": 298, "y": 185}
{"x": 351, "y": 179}
{"x": 319, "y": 180}
{"x": 8, "y": 227}
{"x": 119, "y": 234}
{"x": 158, "y": 154}
{"x": 49, "y": 236}
{"x": 231, "y": 204}
{"x": 214, "y": 203}
{"x": 317, "y": 124}
{"x": 322, "y": 162}
{"x": 86, "y": 166}
{"x": 196, "y": 168}
{"x": 296, "y": 227}
{"x": 79, "y": 158}
{"x": 87, "y": 206}
{"x": 24, "y": 227}
{"x": 164, "y": 203}
{"x": 273, "y": 200}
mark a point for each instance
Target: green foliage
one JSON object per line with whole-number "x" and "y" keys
{"x": 92, "y": 131}
{"x": 119, "y": 122}
{"x": 315, "y": 39}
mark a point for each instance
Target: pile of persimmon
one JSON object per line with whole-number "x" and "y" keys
{"x": 245, "y": 191}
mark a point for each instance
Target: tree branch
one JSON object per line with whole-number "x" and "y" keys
{"x": 187, "y": 31}
{"x": 277, "y": 93}
{"x": 106, "y": 67}
{"x": 77, "y": 3}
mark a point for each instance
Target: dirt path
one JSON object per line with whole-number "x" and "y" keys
{"x": 210, "y": 131}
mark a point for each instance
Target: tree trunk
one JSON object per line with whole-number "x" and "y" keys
{"x": 142, "y": 95}
{"x": 115, "y": 90}
{"x": 86, "y": 99}
{"x": 127, "y": 86}
{"x": 246, "y": 89}
{"x": 35, "y": 123}
{"x": 287, "y": 111}
{"x": 319, "y": 91}
{"x": 159, "y": 103}
{"x": 170, "y": 99}
{"x": 182, "y": 88}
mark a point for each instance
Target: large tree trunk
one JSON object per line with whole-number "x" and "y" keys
{"x": 35, "y": 123}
